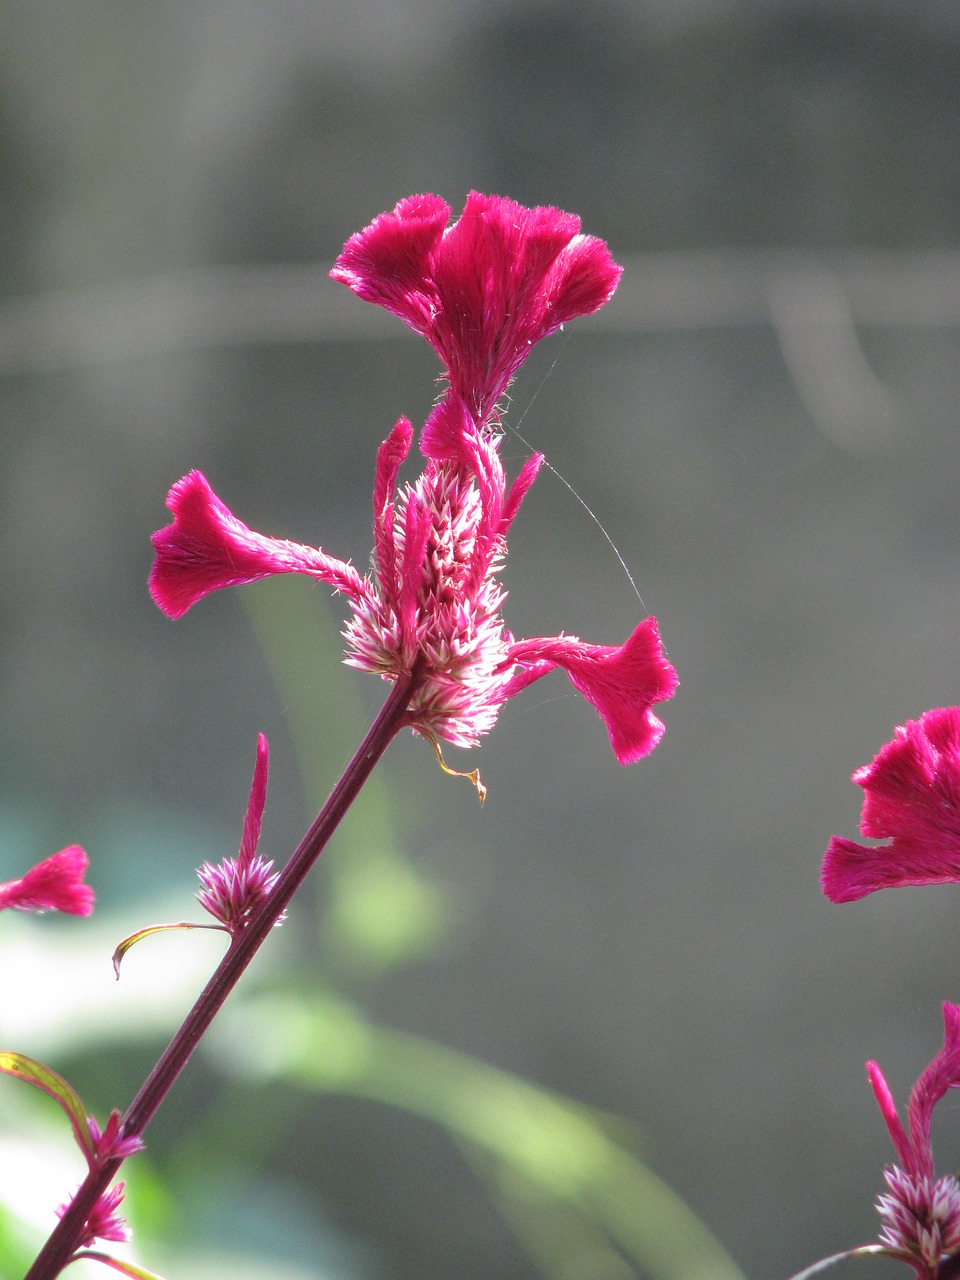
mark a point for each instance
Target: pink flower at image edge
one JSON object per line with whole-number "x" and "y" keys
{"x": 912, "y": 801}
{"x": 56, "y": 884}
{"x": 920, "y": 1212}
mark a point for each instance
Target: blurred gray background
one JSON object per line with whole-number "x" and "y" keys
{"x": 764, "y": 419}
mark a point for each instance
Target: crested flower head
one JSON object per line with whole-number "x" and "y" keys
{"x": 912, "y": 800}
{"x": 56, "y": 884}
{"x": 482, "y": 291}
{"x": 920, "y": 1213}
{"x": 429, "y": 609}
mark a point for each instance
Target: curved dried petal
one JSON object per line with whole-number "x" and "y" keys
{"x": 888, "y": 1108}
{"x": 942, "y": 1074}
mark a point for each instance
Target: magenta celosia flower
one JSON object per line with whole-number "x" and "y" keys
{"x": 911, "y": 799}
{"x": 233, "y": 889}
{"x": 920, "y": 1212}
{"x": 56, "y": 884}
{"x": 482, "y": 292}
{"x": 104, "y": 1221}
{"x": 430, "y": 607}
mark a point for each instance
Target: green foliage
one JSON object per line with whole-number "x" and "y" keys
{"x": 54, "y": 1085}
{"x": 549, "y": 1161}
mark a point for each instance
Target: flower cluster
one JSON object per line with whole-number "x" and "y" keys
{"x": 56, "y": 884}
{"x": 481, "y": 291}
{"x": 104, "y": 1221}
{"x": 110, "y": 1143}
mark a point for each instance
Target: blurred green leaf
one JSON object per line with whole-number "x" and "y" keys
{"x": 559, "y": 1153}
{"x": 54, "y": 1085}
{"x": 16, "y": 1251}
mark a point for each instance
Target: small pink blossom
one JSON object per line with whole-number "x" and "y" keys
{"x": 911, "y": 799}
{"x": 104, "y": 1221}
{"x": 56, "y": 884}
{"x": 920, "y": 1213}
{"x": 232, "y": 890}
{"x": 109, "y": 1144}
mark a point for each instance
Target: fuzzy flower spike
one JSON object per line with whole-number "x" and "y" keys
{"x": 920, "y": 1212}
{"x": 232, "y": 889}
{"x": 482, "y": 292}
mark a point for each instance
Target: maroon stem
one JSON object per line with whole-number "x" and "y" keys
{"x": 67, "y": 1234}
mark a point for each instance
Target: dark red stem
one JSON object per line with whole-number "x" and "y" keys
{"x": 67, "y": 1234}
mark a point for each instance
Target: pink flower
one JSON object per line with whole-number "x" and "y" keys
{"x": 56, "y": 884}
{"x": 921, "y": 1213}
{"x": 912, "y": 798}
{"x": 431, "y": 605}
{"x": 109, "y": 1144}
{"x": 104, "y": 1221}
{"x": 232, "y": 890}
{"x": 481, "y": 292}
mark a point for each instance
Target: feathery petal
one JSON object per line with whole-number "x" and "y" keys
{"x": 911, "y": 799}
{"x": 56, "y": 884}
{"x": 207, "y": 548}
{"x": 621, "y": 682}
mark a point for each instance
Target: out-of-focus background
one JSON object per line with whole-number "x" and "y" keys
{"x": 765, "y": 422}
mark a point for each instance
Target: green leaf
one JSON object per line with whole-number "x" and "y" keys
{"x": 35, "y": 1073}
{"x": 557, "y": 1160}
{"x": 127, "y": 943}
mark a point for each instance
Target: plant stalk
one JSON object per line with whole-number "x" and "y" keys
{"x": 66, "y": 1236}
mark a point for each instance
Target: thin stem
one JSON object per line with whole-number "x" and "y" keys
{"x": 66, "y": 1236}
